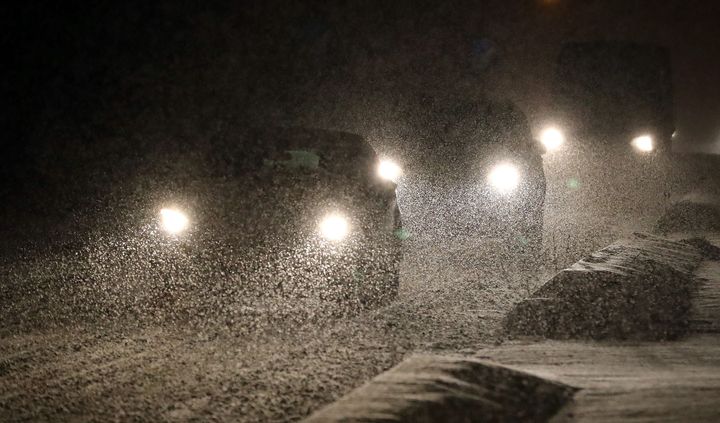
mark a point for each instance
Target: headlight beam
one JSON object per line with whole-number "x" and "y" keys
{"x": 173, "y": 221}
{"x": 389, "y": 170}
{"x": 644, "y": 143}
{"x": 504, "y": 178}
{"x": 334, "y": 227}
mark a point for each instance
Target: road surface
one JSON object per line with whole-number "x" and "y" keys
{"x": 452, "y": 299}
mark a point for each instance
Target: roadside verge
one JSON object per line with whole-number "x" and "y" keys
{"x": 429, "y": 388}
{"x": 638, "y": 288}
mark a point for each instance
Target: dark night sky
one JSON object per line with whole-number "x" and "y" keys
{"x": 68, "y": 62}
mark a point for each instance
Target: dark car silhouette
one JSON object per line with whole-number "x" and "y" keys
{"x": 479, "y": 171}
{"x": 244, "y": 229}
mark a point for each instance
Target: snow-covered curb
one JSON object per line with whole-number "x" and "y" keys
{"x": 636, "y": 288}
{"x": 430, "y": 388}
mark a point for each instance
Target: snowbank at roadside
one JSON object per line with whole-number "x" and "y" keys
{"x": 428, "y": 388}
{"x": 637, "y": 288}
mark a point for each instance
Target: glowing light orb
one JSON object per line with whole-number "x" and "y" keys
{"x": 334, "y": 227}
{"x": 173, "y": 221}
{"x": 389, "y": 170}
{"x": 573, "y": 183}
{"x": 552, "y": 138}
{"x": 504, "y": 177}
{"x": 644, "y": 143}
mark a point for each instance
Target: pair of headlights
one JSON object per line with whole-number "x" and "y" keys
{"x": 503, "y": 177}
{"x": 333, "y": 227}
{"x": 553, "y": 139}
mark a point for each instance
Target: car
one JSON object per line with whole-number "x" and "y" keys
{"x": 612, "y": 126}
{"x": 615, "y": 96}
{"x": 478, "y": 172}
{"x": 246, "y": 229}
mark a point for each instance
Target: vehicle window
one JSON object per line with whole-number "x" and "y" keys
{"x": 295, "y": 159}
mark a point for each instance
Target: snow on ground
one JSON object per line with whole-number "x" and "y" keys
{"x": 453, "y": 297}
{"x": 635, "y": 381}
{"x": 167, "y": 373}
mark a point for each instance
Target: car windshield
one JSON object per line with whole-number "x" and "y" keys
{"x": 325, "y": 153}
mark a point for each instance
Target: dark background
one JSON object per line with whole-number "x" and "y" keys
{"x": 82, "y": 84}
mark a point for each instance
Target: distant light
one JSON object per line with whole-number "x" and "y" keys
{"x": 173, "y": 221}
{"x": 644, "y": 143}
{"x": 504, "y": 177}
{"x": 334, "y": 227}
{"x": 552, "y": 138}
{"x": 389, "y": 170}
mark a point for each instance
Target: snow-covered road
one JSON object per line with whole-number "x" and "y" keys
{"x": 453, "y": 296}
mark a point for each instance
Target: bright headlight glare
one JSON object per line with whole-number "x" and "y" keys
{"x": 504, "y": 177}
{"x": 334, "y": 227}
{"x": 173, "y": 221}
{"x": 389, "y": 170}
{"x": 644, "y": 143}
{"x": 552, "y": 138}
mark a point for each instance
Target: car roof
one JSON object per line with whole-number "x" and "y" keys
{"x": 323, "y": 141}
{"x": 337, "y": 151}
{"x": 464, "y": 122}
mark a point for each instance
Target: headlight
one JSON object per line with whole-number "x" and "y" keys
{"x": 504, "y": 177}
{"x": 173, "y": 221}
{"x": 552, "y": 138}
{"x": 334, "y": 227}
{"x": 644, "y": 143}
{"x": 389, "y": 170}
